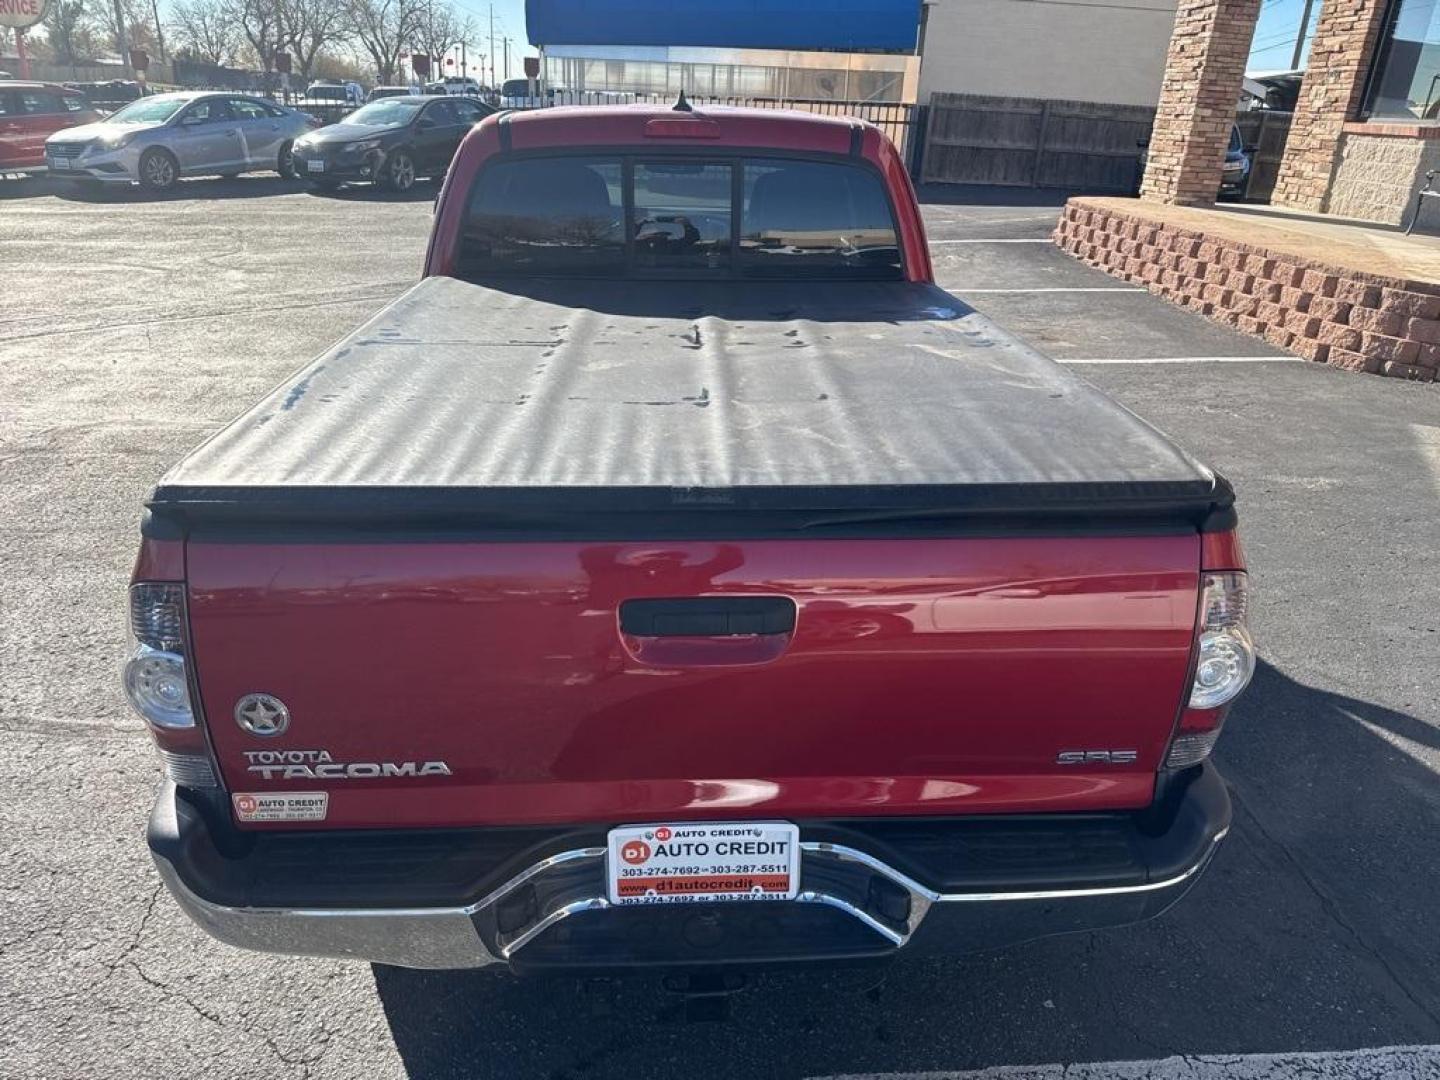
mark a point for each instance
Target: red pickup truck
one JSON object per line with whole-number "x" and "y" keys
{"x": 676, "y": 577}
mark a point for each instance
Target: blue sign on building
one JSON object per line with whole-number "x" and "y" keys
{"x": 737, "y": 24}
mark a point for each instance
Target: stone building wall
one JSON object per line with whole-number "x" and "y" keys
{"x": 1378, "y": 173}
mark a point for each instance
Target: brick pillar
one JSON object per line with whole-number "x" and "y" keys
{"x": 1340, "y": 53}
{"x": 1198, "y": 98}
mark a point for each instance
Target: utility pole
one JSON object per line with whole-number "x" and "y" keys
{"x": 492, "y": 44}
{"x": 120, "y": 35}
{"x": 159, "y": 33}
{"x": 1300, "y": 38}
{"x": 507, "y": 58}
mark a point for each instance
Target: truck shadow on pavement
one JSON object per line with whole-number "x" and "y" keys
{"x": 1312, "y": 930}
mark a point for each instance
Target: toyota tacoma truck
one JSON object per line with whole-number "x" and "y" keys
{"x": 676, "y": 577}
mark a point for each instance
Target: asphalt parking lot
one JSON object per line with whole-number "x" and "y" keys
{"x": 132, "y": 327}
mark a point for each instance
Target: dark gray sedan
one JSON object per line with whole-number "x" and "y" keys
{"x": 156, "y": 140}
{"x": 391, "y": 142}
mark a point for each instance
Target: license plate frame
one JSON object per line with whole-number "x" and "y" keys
{"x": 315, "y": 165}
{"x": 702, "y": 862}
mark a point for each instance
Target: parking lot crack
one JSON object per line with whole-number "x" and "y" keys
{"x": 170, "y": 993}
{"x": 1331, "y": 909}
{"x": 306, "y": 1061}
{"x": 145, "y": 917}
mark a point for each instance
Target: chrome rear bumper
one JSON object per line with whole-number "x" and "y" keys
{"x": 452, "y": 937}
{"x": 554, "y": 914}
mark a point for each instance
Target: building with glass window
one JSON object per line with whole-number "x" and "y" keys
{"x": 1405, "y": 79}
{"x": 787, "y": 75}
{"x": 826, "y": 50}
{"x": 1364, "y": 154}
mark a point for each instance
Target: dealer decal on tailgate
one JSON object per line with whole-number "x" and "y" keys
{"x": 281, "y": 805}
{"x": 666, "y": 864}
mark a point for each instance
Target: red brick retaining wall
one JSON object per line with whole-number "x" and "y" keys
{"x": 1360, "y": 322}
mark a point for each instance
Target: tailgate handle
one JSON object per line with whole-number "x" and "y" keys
{"x": 708, "y": 616}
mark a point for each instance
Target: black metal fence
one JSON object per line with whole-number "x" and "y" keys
{"x": 902, "y": 123}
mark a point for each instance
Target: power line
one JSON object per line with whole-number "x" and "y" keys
{"x": 1270, "y": 48}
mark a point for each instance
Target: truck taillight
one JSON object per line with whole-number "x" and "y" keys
{"x": 1224, "y": 664}
{"x": 155, "y": 677}
{"x": 157, "y": 681}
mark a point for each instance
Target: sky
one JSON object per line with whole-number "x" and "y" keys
{"x": 1274, "y": 43}
{"x": 509, "y": 22}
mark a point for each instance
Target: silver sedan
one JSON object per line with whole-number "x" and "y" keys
{"x": 156, "y": 140}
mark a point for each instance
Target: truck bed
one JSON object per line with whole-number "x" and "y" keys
{"x": 707, "y": 409}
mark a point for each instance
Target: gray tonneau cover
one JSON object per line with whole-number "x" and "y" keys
{"x": 725, "y": 406}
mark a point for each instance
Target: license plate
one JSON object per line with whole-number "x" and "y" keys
{"x": 690, "y": 863}
{"x": 315, "y": 166}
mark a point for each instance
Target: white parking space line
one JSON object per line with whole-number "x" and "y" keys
{"x": 1279, "y": 358}
{"x": 1389, "y": 1063}
{"x": 1019, "y": 290}
{"x": 1039, "y": 240}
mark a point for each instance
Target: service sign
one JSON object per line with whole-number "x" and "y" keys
{"x": 686, "y": 863}
{"x": 21, "y": 13}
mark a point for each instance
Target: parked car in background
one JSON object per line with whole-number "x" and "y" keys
{"x": 157, "y": 140}
{"x": 1234, "y": 172}
{"x": 515, "y": 94}
{"x": 30, "y": 112}
{"x": 381, "y": 92}
{"x": 455, "y": 85}
{"x": 391, "y": 143}
{"x": 1239, "y": 160}
{"x": 109, "y": 95}
{"x": 329, "y": 93}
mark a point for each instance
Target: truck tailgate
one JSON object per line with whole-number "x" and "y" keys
{"x": 968, "y": 562}
{"x": 919, "y": 676}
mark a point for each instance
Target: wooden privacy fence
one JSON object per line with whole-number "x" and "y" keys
{"x": 1075, "y": 145}
{"x": 1267, "y": 132}
{"x": 1034, "y": 142}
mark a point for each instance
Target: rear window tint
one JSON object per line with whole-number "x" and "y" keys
{"x": 815, "y": 218}
{"x": 716, "y": 217}
{"x": 682, "y": 215}
{"x": 546, "y": 216}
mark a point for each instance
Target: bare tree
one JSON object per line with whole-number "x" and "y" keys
{"x": 438, "y": 28}
{"x": 64, "y": 25}
{"x": 137, "y": 32}
{"x": 384, "y": 29}
{"x": 308, "y": 26}
{"x": 259, "y": 21}
{"x": 204, "y": 29}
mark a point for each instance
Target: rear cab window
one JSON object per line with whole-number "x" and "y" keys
{"x": 661, "y": 215}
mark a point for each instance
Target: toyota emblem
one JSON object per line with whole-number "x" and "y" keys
{"x": 262, "y": 714}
